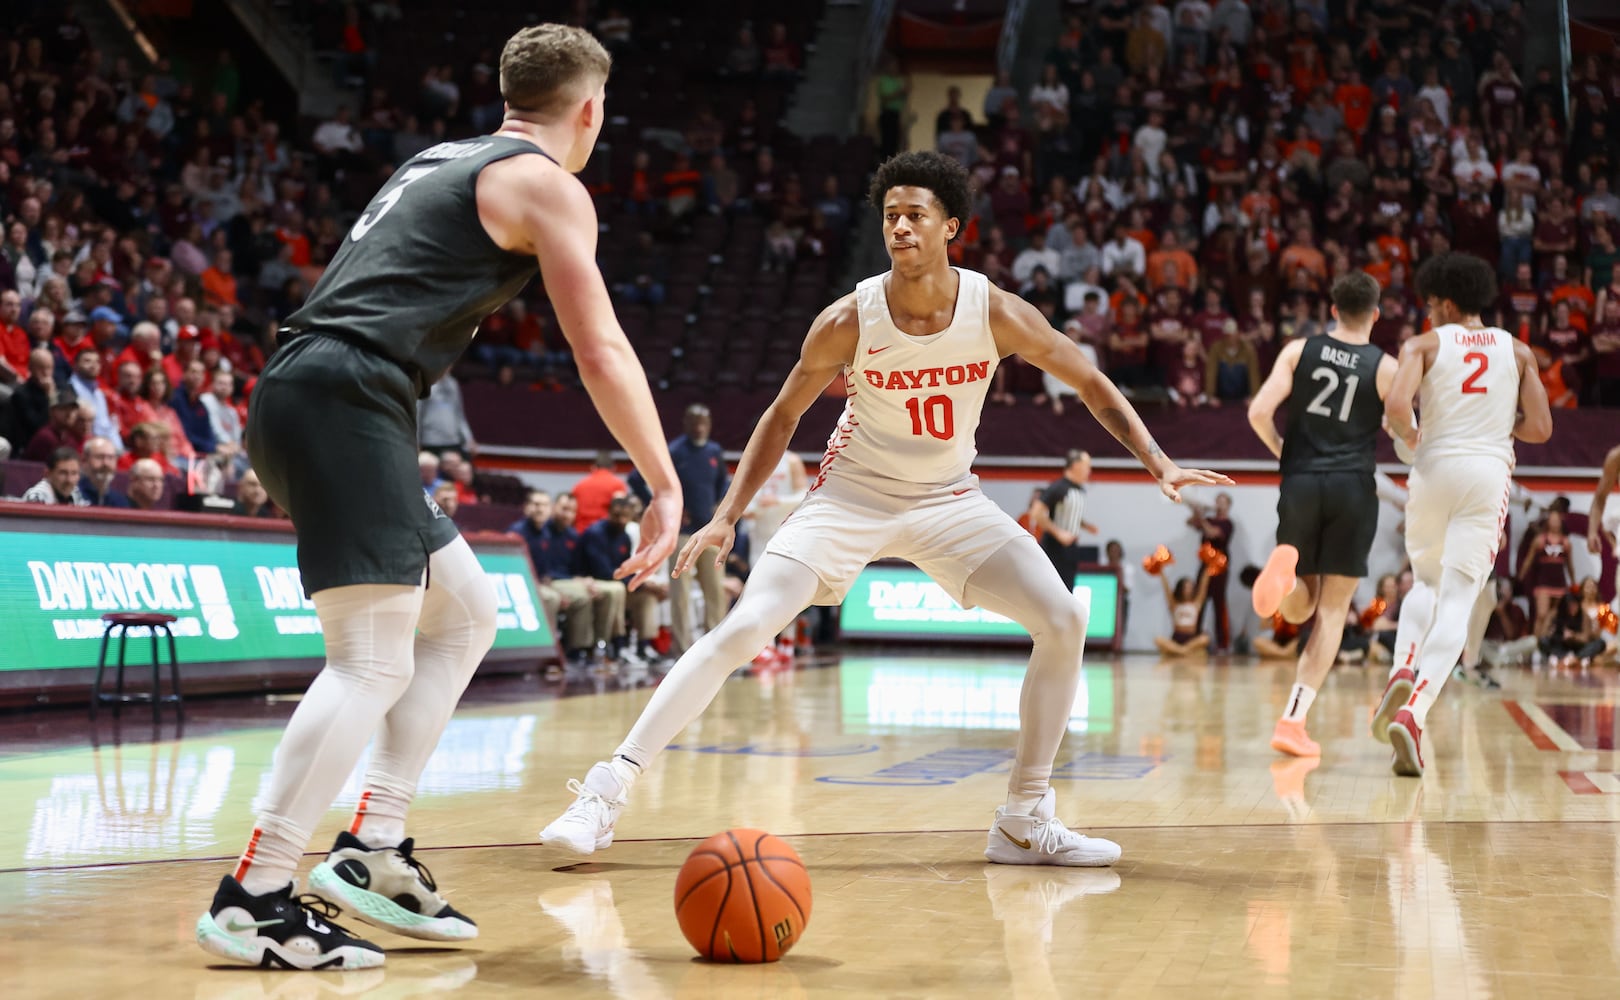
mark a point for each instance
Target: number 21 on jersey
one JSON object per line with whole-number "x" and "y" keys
{"x": 1320, "y": 406}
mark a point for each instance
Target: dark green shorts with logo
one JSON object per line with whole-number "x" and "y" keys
{"x": 331, "y": 431}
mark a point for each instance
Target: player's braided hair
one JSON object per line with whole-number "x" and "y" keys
{"x": 1462, "y": 278}
{"x": 940, "y": 174}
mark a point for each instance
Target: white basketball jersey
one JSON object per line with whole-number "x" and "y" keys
{"x": 914, "y": 402}
{"x": 1469, "y": 401}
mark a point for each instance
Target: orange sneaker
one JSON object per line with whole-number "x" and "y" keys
{"x": 1275, "y": 581}
{"x": 1395, "y": 697}
{"x": 1290, "y": 738}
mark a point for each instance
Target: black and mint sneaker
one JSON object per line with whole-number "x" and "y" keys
{"x": 387, "y": 887}
{"x": 278, "y": 930}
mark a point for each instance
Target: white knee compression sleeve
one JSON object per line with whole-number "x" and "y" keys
{"x": 1016, "y": 582}
{"x": 778, "y": 589}
{"x": 456, "y": 629}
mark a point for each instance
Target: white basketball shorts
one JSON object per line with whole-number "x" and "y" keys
{"x": 947, "y": 533}
{"x": 1454, "y": 516}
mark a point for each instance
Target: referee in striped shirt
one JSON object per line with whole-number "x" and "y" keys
{"x": 1059, "y": 516}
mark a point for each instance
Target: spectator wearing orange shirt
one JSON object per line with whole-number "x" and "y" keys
{"x": 1355, "y": 101}
{"x": 596, "y": 491}
{"x": 1303, "y": 255}
{"x": 218, "y": 283}
{"x": 14, "y": 346}
{"x": 1170, "y": 266}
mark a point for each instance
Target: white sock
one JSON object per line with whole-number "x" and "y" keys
{"x": 1299, "y": 703}
{"x": 271, "y": 857}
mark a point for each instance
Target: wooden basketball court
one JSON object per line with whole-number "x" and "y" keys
{"x": 1244, "y": 874}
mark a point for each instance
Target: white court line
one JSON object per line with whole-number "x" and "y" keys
{"x": 1554, "y": 731}
{"x": 1608, "y": 784}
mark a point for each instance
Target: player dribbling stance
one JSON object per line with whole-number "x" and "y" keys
{"x": 917, "y": 347}
{"x": 1327, "y": 505}
{"x": 1477, "y": 389}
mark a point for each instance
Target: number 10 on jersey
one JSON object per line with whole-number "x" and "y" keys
{"x": 933, "y": 416}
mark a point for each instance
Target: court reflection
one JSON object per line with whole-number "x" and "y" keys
{"x": 1026, "y": 900}
{"x": 880, "y": 694}
{"x": 600, "y": 948}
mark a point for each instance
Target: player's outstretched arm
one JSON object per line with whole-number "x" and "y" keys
{"x": 1399, "y": 404}
{"x": 1600, "y": 500}
{"x": 828, "y": 347}
{"x": 1020, "y": 329}
{"x": 535, "y": 207}
{"x": 1276, "y": 389}
{"x": 1535, "y": 415}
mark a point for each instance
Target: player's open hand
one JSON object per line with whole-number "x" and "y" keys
{"x": 1175, "y": 478}
{"x": 660, "y": 529}
{"x": 718, "y": 533}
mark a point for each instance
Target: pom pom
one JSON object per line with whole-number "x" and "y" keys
{"x": 1213, "y": 559}
{"x": 1374, "y": 611}
{"x": 1155, "y": 563}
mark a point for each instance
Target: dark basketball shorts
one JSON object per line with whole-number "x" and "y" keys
{"x": 331, "y": 431}
{"x": 1331, "y": 518}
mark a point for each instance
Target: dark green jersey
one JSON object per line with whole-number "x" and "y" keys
{"x": 417, "y": 273}
{"x": 1334, "y": 411}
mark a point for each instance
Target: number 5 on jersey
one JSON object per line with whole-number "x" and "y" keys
{"x": 933, "y": 416}
{"x": 363, "y": 225}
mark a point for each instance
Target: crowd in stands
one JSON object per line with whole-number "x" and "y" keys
{"x": 157, "y": 225}
{"x": 1187, "y": 178}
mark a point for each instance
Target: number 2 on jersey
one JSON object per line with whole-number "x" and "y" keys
{"x": 1482, "y": 364}
{"x": 933, "y": 416}
{"x": 1319, "y": 405}
{"x": 363, "y": 225}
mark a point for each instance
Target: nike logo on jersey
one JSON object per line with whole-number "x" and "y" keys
{"x": 929, "y": 378}
{"x": 1020, "y": 843}
{"x": 957, "y": 493}
{"x": 878, "y": 350}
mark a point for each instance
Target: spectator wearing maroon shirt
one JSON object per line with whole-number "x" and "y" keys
{"x": 1128, "y": 346}
{"x": 69, "y": 427}
{"x": 1606, "y": 354}
{"x": 1474, "y": 227}
{"x": 1168, "y": 327}
{"x": 782, "y": 58}
{"x": 1210, "y": 322}
{"x": 1568, "y": 344}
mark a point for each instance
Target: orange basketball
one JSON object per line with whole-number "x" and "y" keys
{"x": 742, "y": 896}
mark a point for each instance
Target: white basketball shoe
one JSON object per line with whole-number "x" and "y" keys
{"x": 1041, "y": 839}
{"x": 587, "y": 825}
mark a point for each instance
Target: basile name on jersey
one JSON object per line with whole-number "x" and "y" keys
{"x": 928, "y": 378}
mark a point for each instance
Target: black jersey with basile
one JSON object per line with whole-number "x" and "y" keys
{"x": 417, "y": 272}
{"x": 1334, "y": 411}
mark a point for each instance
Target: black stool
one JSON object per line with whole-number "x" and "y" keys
{"x": 123, "y": 622}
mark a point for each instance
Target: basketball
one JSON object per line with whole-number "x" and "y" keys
{"x": 742, "y": 896}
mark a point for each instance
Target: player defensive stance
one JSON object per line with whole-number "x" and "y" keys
{"x": 1327, "y": 505}
{"x": 407, "y": 611}
{"x": 1478, "y": 389}
{"x": 917, "y": 348}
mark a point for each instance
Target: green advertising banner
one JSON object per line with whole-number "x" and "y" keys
{"x": 235, "y": 600}
{"x": 902, "y": 602}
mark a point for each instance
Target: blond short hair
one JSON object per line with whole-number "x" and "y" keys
{"x": 546, "y": 67}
